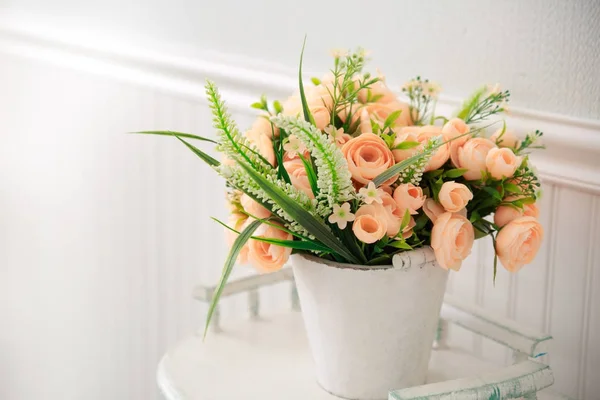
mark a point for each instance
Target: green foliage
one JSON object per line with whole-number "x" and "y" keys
{"x": 305, "y": 110}
{"x": 483, "y": 104}
{"x": 176, "y": 134}
{"x": 314, "y": 225}
{"x": 239, "y": 242}
{"x": 428, "y": 150}
{"x": 205, "y": 157}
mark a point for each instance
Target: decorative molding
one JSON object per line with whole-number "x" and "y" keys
{"x": 573, "y": 144}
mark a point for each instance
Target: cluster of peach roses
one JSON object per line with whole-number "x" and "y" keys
{"x": 380, "y": 211}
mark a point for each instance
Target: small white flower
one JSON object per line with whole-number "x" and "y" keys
{"x": 493, "y": 89}
{"x": 337, "y": 135}
{"x": 294, "y": 146}
{"x": 431, "y": 89}
{"x": 371, "y": 194}
{"x": 341, "y": 215}
{"x": 339, "y": 53}
{"x": 363, "y": 52}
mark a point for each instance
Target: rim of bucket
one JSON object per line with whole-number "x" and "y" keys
{"x": 401, "y": 261}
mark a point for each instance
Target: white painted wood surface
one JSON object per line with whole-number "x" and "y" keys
{"x": 269, "y": 358}
{"x": 106, "y": 234}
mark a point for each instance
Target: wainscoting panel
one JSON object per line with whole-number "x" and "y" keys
{"x": 104, "y": 234}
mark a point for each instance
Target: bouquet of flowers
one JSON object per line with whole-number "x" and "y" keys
{"x": 346, "y": 170}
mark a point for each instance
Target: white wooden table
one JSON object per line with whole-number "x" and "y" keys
{"x": 267, "y": 357}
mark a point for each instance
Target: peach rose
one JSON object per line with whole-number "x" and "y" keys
{"x": 368, "y": 156}
{"x": 298, "y": 177}
{"x": 506, "y": 139}
{"x": 264, "y": 126}
{"x": 406, "y": 134}
{"x": 454, "y": 129}
{"x": 266, "y": 257}
{"x": 502, "y": 163}
{"x": 321, "y": 115}
{"x": 239, "y": 222}
{"x": 287, "y": 156}
{"x": 454, "y": 196}
{"x": 506, "y": 214}
{"x": 409, "y": 197}
{"x": 263, "y": 143}
{"x": 253, "y": 208}
{"x": 370, "y": 224}
{"x": 378, "y": 112}
{"x": 378, "y": 89}
{"x": 471, "y": 156}
{"x": 452, "y": 238}
{"x": 433, "y": 209}
{"x": 393, "y": 212}
{"x": 441, "y": 155}
{"x": 531, "y": 210}
{"x": 518, "y": 242}
{"x": 319, "y": 103}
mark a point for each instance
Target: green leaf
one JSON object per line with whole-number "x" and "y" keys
{"x": 455, "y": 173}
{"x": 239, "y": 242}
{"x": 470, "y": 104}
{"x": 528, "y": 200}
{"x": 421, "y": 222}
{"x": 258, "y": 105}
{"x": 307, "y": 115}
{"x": 406, "y": 145}
{"x": 205, "y": 157}
{"x": 304, "y": 218}
{"x": 315, "y": 81}
{"x": 495, "y": 260}
{"x": 350, "y": 241}
{"x": 310, "y": 174}
{"x": 379, "y": 260}
{"x": 389, "y": 121}
{"x": 400, "y": 244}
{"x": 292, "y": 244}
{"x": 179, "y": 134}
{"x": 493, "y": 192}
{"x": 280, "y": 167}
{"x": 405, "y": 220}
{"x": 434, "y": 174}
{"x": 277, "y": 106}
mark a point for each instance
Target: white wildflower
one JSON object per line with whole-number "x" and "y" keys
{"x": 341, "y": 215}
{"x": 336, "y": 135}
{"x": 371, "y": 194}
{"x": 294, "y": 146}
{"x": 339, "y": 53}
{"x": 431, "y": 89}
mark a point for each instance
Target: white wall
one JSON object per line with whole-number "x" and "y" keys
{"x": 103, "y": 235}
{"x": 546, "y": 52}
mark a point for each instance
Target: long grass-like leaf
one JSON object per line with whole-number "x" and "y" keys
{"x": 305, "y": 110}
{"x": 310, "y": 174}
{"x": 239, "y": 242}
{"x": 396, "y": 169}
{"x": 304, "y": 244}
{"x": 304, "y": 218}
{"x": 176, "y": 134}
{"x": 205, "y": 157}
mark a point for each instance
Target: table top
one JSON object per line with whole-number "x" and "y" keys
{"x": 267, "y": 357}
